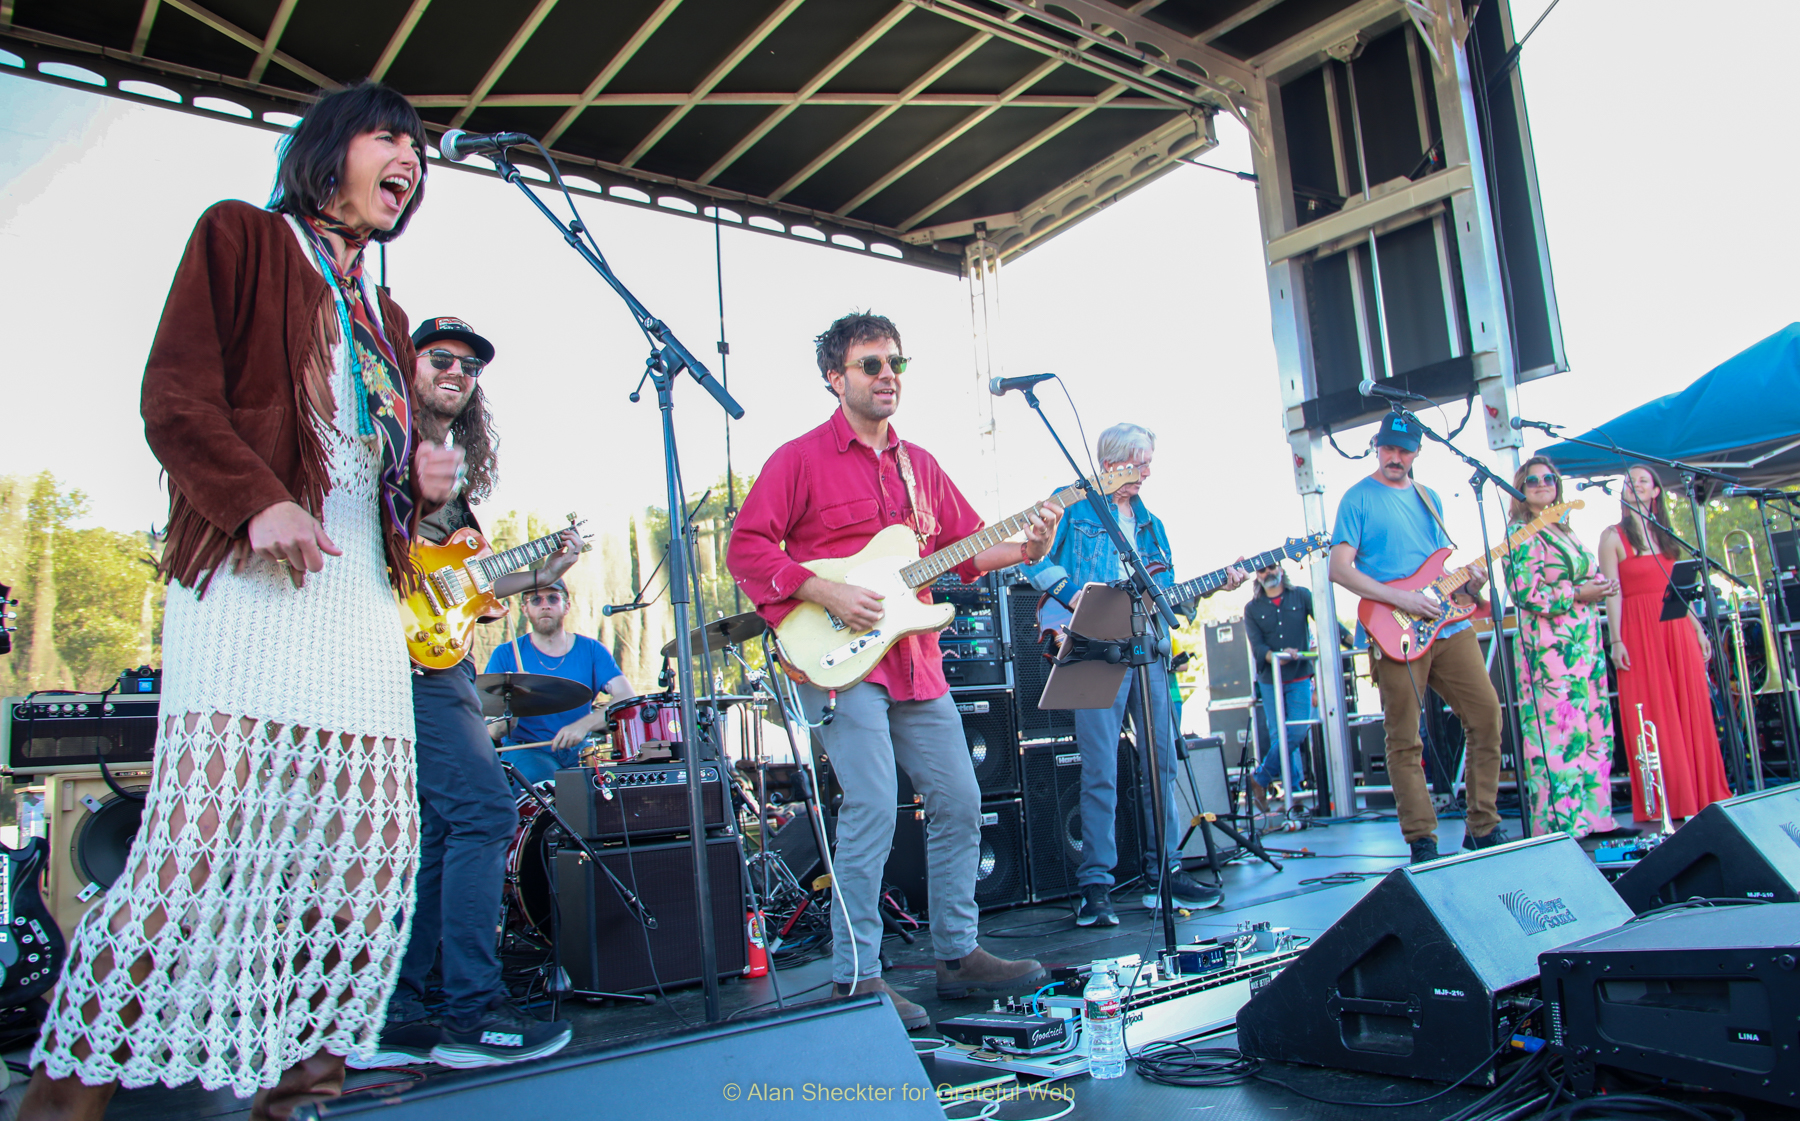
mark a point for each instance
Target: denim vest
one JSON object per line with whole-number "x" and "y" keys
{"x": 1083, "y": 553}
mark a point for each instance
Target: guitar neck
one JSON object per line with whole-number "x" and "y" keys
{"x": 928, "y": 568}
{"x": 519, "y": 556}
{"x": 1190, "y": 590}
{"x": 1454, "y": 579}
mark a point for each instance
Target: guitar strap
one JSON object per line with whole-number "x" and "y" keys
{"x": 923, "y": 523}
{"x": 1419, "y": 488}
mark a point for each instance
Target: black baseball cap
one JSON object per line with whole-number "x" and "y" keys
{"x": 1398, "y": 432}
{"x": 450, "y": 327}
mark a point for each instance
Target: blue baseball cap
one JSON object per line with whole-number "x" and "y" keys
{"x": 1398, "y": 432}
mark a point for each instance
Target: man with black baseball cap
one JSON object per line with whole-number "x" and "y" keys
{"x": 1388, "y": 525}
{"x": 467, "y": 815}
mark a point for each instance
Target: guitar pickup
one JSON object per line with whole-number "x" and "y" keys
{"x": 850, "y": 650}
{"x": 479, "y": 578}
{"x": 448, "y": 587}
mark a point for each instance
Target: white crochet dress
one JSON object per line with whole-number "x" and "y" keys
{"x": 259, "y": 917}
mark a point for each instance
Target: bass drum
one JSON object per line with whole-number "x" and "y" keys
{"x": 528, "y": 875}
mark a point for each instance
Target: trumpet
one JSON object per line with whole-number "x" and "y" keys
{"x": 1649, "y": 761}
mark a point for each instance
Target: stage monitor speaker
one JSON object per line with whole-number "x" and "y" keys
{"x": 987, "y": 724}
{"x": 807, "y": 1061}
{"x": 606, "y": 950}
{"x": 1031, "y": 669}
{"x": 1228, "y": 662}
{"x": 1001, "y": 874}
{"x": 90, "y": 832}
{"x": 1706, "y": 996}
{"x": 1421, "y": 976}
{"x": 1053, "y": 818}
{"x": 1746, "y": 847}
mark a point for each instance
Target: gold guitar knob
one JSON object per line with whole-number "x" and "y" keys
{"x": 456, "y": 644}
{"x": 420, "y": 637}
{"x": 436, "y": 651}
{"x": 439, "y": 628}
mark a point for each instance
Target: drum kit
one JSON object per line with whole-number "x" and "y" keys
{"x": 644, "y": 728}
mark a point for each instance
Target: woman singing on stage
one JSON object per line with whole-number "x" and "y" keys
{"x": 1661, "y": 665}
{"x": 1562, "y": 667}
{"x": 254, "y": 935}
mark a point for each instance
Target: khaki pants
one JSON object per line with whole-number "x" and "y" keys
{"x": 1454, "y": 667}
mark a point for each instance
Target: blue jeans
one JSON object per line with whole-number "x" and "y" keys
{"x": 467, "y": 818}
{"x": 1097, "y": 736}
{"x": 1297, "y": 697}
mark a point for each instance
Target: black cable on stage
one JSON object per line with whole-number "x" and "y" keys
{"x": 1392, "y": 1105}
{"x": 1177, "y": 1064}
{"x": 1610, "y": 1106}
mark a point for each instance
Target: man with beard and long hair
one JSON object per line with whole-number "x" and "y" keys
{"x": 1276, "y": 618}
{"x": 467, "y": 815}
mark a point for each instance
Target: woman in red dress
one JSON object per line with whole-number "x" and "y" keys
{"x": 1661, "y": 665}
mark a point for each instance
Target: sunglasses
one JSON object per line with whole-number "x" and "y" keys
{"x": 549, "y": 598}
{"x": 1541, "y": 480}
{"x": 871, "y": 365}
{"x": 443, "y": 359}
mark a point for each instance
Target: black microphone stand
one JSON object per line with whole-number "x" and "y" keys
{"x": 1693, "y": 476}
{"x": 668, "y": 358}
{"x": 1142, "y": 653}
{"x": 1508, "y": 713}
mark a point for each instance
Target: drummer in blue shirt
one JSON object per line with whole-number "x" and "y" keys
{"x": 554, "y": 652}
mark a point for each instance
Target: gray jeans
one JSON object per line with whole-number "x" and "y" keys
{"x": 1097, "y": 735}
{"x": 871, "y": 733}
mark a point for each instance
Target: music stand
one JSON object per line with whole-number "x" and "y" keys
{"x": 1096, "y": 655}
{"x": 1684, "y": 588}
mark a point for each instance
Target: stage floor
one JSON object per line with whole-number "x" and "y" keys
{"x": 1292, "y": 897}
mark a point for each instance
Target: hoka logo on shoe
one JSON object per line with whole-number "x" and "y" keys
{"x": 502, "y": 1039}
{"x": 1535, "y": 916}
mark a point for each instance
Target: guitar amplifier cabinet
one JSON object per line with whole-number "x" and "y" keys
{"x": 56, "y": 732}
{"x": 1053, "y": 818}
{"x": 644, "y": 799}
{"x": 90, "y": 830}
{"x": 987, "y": 724}
{"x": 1031, "y": 669}
{"x": 1228, "y": 661}
{"x": 1001, "y": 872}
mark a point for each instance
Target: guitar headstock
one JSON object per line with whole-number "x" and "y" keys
{"x": 1123, "y": 475}
{"x": 1556, "y": 512}
{"x": 1299, "y": 548}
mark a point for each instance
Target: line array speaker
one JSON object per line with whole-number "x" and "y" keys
{"x": 90, "y": 830}
{"x": 1053, "y": 818}
{"x": 766, "y": 1061}
{"x": 606, "y": 950}
{"x": 1031, "y": 669}
{"x": 1419, "y": 977}
{"x": 1747, "y": 846}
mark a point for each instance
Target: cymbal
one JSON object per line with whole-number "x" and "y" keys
{"x": 532, "y": 694}
{"x": 720, "y": 633}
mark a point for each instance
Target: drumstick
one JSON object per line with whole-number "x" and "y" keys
{"x": 523, "y": 746}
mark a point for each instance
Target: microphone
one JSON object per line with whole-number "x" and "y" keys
{"x": 614, "y": 608}
{"x": 999, "y": 387}
{"x": 1520, "y": 422}
{"x": 457, "y": 145}
{"x": 1749, "y": 492}
{"x": 1591, "y": 484}
{"x": 1370, "y": 388}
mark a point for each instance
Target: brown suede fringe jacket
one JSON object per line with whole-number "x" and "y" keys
{"x": 238, "y": 377}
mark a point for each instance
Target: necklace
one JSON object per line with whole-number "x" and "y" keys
{"x": 545, "y": 658}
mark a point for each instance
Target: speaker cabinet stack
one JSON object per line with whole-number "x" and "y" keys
{"x": 1031, "y": 669}
{"x": 1053, "y": 818}
{"x": 1746, "y": 847}
{"x": 1422, "y": 976}
{"x": 1002, "y": 878}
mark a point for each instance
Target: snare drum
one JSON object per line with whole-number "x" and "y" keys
{"x": 639, "y": 722}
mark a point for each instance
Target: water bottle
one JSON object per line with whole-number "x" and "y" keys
{"x": 1104, "y": 1026}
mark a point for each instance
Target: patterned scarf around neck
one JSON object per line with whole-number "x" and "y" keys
{"x": 382, "y": 409}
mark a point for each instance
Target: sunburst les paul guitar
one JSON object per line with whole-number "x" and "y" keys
{"x": 457, "y": 591}
{"x": 1404, "y": 636}
{"x": 822, "y": 649}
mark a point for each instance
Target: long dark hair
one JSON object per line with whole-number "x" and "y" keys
{"x": 312, "y": 156}
{"x": 1518, "y": 511}
{"x": 474, "y": 432}
{"x": 1658, "y": 509}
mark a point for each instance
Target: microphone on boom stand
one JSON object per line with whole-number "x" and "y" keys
{"x": 457, "y": 145}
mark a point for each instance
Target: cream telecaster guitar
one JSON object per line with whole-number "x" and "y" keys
{"x": 821, "y": 649}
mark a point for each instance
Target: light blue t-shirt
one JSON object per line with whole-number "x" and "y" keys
{"x": 588, "y": 662}
{"x": 1392, "y": 531}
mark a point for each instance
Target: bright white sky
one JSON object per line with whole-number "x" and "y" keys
{"x": 1671, "y": 247}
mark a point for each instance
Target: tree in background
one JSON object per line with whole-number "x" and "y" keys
{"x": 89, "y": 601}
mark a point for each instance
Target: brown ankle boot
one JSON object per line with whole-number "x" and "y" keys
{"x": 64, "y": 1099}
{"x": 309, "y": 1080}
{"x": 981, "y": 971}
{"x": 912, "y": 1017}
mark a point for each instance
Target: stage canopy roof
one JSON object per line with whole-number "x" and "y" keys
{"x": 908, "y": 128}
{"x": 1741, "y": 418}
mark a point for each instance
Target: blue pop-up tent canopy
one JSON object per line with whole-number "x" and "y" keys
{"x": 1742, "y": 418}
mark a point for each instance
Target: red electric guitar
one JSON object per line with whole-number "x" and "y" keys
{"x": 1405, "y": 637}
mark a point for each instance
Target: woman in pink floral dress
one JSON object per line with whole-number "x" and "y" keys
{"x": 1567, "y": 722}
